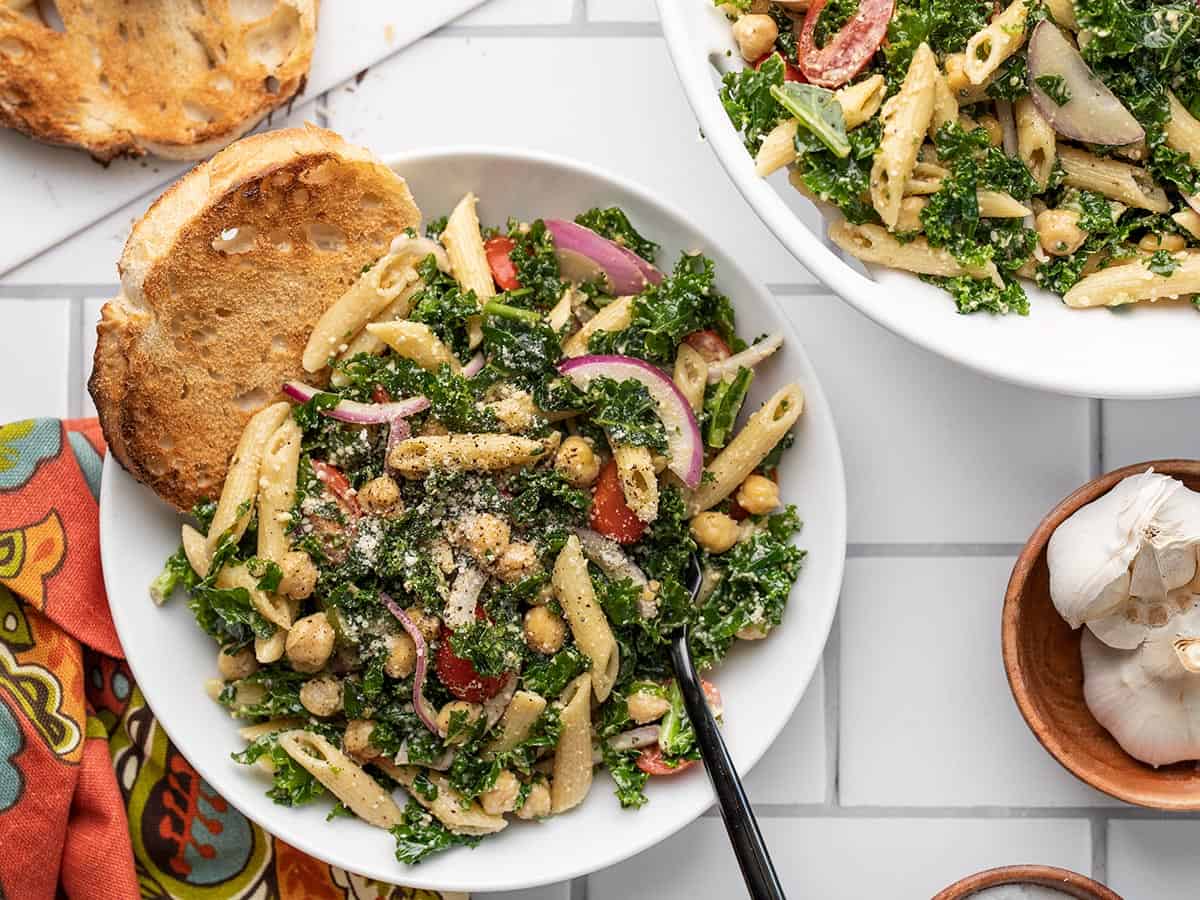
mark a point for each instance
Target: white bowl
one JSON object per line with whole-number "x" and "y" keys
{"x": 761, "y": 682}
{"x": 1143, "y": 351}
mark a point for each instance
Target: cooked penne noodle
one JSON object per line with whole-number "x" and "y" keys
{"x": 270, "y": 606}
{"x": 1189, "y": 221}
{"x": 573, "y": 755}
{"x": 945, "y": 105}
{"x": 375, "y": 289}
{"x": 639, "y": 484}
{"x": 999, "y": 205}
{"x": 518, "y": 719}
{"x": 1063, "y": 13}
{"x": 873, "y": 244}
{"x": 415, "y": 341}
{"x": 250, "y": 733}
{"x": 560, "y": 315}
{"x": 590, "y": 627}
{"x": 1132, "y": 282}
{"x": 925, "y": 179}
{"x": 277, "y": 490}
{"x": 1117, "y": 180}
{"x": 960, "y": 84}
{"x": 989, "y": 47}
{"x": 614, "y": 317}
{"x": 195, "y": 548}
{"x": 241, "y": 481}
{"x": 447, "y": 804}
{"x": 762, "y": 431}
{"x": 1036, "y": 141}
{"x": 418, "y": 456}
{"x": 691, "y": 375}
{"x": 365, "y": 342}
{"x": 464, "y": 246}
{"x": 1183, "y": 130}
{"x": 905, "y": 120}
{"x": 342, "y": 777}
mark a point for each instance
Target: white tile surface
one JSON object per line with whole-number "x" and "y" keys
{"x": 519, "y": 12}
{"x": 1153, "y": 859}
{"x": 927, "y": 718}
{"x": 622, "y": 11}
{"x": 35, "y": 343}
{"x": 794, "y": 769}
{"x": 847, "y": 858}
{"x": 935, "y": 453}
{"x": 579, "y": 116}
{"x": 1156, "y": 429}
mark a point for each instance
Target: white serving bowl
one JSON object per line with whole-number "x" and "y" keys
{"x": 761, "y": 682}
{"x": 1141, "y": 351}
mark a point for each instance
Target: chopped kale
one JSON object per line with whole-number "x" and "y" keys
{"x": 444, "y": 307}
{"x": 1161, "y": 262}
{"x": 549, "y": 675}
{"x": 629, "y": 780}
{"x": 746, "y": 96}
{"x": 945, "y": 25}
{"x": 627, "y": 413}
{"x": 613, "y": 224}
{"x": 1011, "y": 80}
{"x": 177, "y": 573}
{"x": 722, "y": 403}
{"x": 844, "y": 181}
{"x": 676, "y": 736}
{"x": 1055, "y": 87}
{"x": 981, "y": 295}
{"x": 291, "y": 783}
{"x": 537, "y": 266}
{"x": 420, "y": 835}
{"x": 274, "y": 693}
{"x": 785, "y": 41}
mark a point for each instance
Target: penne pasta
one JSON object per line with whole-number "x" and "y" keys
{"x": 519, "y": 718}
{"x": 945, "y": 105}
{"x": 989, "y": 47}
{"x": 589, "y": 626}
{"x": 195, "y": 548}
{"x": 270, "y": 606}
{"x": 415, "y": 341}
{"x": 639, "y": 484}
{"x": 691, "y": 375}
{"x": 365, "y": 342}
{"x": 1063, "y": 13}
{"x": 762, "y": 431}
{"x": 277, "y": 490}
{"x": 468, "y": 260}
{"x": 1036, "y": 141}
{"x": 572, "y": 777}
{"x": 250, "y": 733}
{"x": 1114, "y": 179}
{"x": 444, "y": 801}
{"x": 1189, "y": 221}
{"x": 906, "y": 119}
{"x": 614, "y": 317}
{"x": 1132, "y": 282}
{"x": 241, "y": 481}
{"x": 418, "y": 456}
{"x": 960, "y": 83}
{"x": 873, "y": 244}
{"x": 1183, "y": 130}
{"x": 342, "y": 777}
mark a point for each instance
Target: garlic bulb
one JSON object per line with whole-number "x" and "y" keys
{"x": 1149, "y": 698}
{"x": 1126, "y": 563}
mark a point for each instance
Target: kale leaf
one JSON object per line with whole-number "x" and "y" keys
{"x": 291, "y": 783}
{"x": 626, "y": 412}
{"x": 613, "y": 224}
{"x": 844, "y": 181}
{"x": 722, "y": 403}
{"x": 444, "y": 307}
{"x": 629, "y": 780}
{"x": 746, "y": 96}
{"x": 549, "y": 675}
{"x": 534, "y": 259}
{"x": 420, "y": 835}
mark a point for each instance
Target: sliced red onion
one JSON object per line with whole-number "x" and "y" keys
{"x": 627, "y": 273}
{"x": 608, "y": 555}
{"x": 358, "y": 413}
{"x": 747, "y": 359}
{"x": 471, "y": 369}
{"x": 635, "y": 738}
{"x": 494, "y": 707}
{"x": 464, "y": 594}
{"x": 423, "y": 710}
{"x": 684, "y": 444}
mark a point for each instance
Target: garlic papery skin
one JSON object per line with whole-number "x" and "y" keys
{"x": 1149, "y": 698}
{"x": 1126, "y": 563}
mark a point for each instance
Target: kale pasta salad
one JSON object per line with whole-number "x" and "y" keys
{"x": 443, "y": 574}
{"x": 980, "y": 143}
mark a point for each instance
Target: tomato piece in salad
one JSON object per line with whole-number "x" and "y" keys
{"x": 709, "y": 344}
{"x": 337, "y": 484}
{"x": 610, "y": 514}
{"x": 460, "y": 675}
{"x": 504, "y": 272}
{"x": 790, "y": 72}
{"x": 651, "y": 761}
{"x": 847, "y": 52}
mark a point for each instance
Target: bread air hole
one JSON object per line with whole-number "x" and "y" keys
{"x": 11, "y": 48}
{"x": 238, "y": 239}
{"x": 198, "y": 113}
{"x": 324, "y": 236}
{"x": 252, "y": 401}
{"x": 272, "y": 41}
{"x": 250, "y": 10}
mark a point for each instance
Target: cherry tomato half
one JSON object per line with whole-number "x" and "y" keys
{"x": 847, "y": 52}
{"x": 461, "y": 679}
{"x": 790, "y": 72}
{"x": 610, "y": 513}
{"x": 339, "y": 485}
{"x": 650, "y": 761}
{"x": 503, "y": 270}
{"x": 709, "y": 344}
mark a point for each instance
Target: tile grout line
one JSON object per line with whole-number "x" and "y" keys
{"x": 579, "y": 14}
{"x": 990, "y": 813}
{"x": 1096, "y": 420}
{"x": 832, "y": 700}
{"x": 1100, "y": 848}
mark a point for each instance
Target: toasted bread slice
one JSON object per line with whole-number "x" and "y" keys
{"x": 178, "y": 78}
{"x": 221, "y": 282}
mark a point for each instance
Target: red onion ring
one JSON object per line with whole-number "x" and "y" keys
{"x": 424, "y": 713}
{"x": 358, "y": 413}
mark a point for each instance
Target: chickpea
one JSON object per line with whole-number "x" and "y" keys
{"x": 1172, "y": 243}
{"x": 299, "y": 575}
{"x": 442, "y": 554}
{"x": 645, "y": 707}
{"x": 577, "y": 462}
{"x": 452, "y": 714}
{"x": 310, "y": 643}
{"x": 381, "y": 496}
{"x": 321, "y": 696}
{"x": 233, "y": 666}
{"x": 484, "y": 535}
{"x": 357, "y": 739}
{"x": 1059, "y": 232}
{"x": 537, "y": 802}
{"x": 518, "y": 561}
{"x": 714, "y": 531}
{"x": 758, "y": 495}
{"x": 545, "y": 630}
{"x": 432, "y": 427}
{"x": 756, "y": 35}
{"x": 755, "y": 632}
{"x": 502, "y": 797}
{"x": 428, "y": 624}
{"x": 991, "y": 125}
{"x": 544, "y": 595}
{"x": 269, "y": 650}
{"x": 402, "y": 656}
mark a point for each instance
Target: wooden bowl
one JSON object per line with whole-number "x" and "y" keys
{"x": 1070, "y": 883}
{"x": 1045, "y": 672}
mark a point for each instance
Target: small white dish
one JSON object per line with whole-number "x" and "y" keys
{"x": 1140, "y": 351}
{"x": 761, "y": 683}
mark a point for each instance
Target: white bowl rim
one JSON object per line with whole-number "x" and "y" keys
{"x": 867, "y": 296}
{"x": 640, "y": 839}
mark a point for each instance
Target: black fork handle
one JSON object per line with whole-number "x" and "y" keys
{"x": 748, "y": 844}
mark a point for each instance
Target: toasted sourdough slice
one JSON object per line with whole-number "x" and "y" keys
{"x": 179, "y": 78}
{"x": 221, "y": 282}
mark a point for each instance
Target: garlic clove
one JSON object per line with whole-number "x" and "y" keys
{"x": 1118, "y": 631}
{"x": 1146, "y": 578}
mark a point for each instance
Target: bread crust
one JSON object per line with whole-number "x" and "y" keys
{"x": 222, "y": 280}
{"x": 178, "y": 78}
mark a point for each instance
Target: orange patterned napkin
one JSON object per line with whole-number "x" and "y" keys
{"x": 95, "y": 801}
